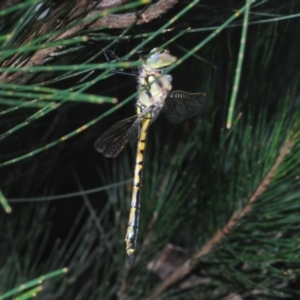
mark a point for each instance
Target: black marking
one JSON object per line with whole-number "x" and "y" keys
{"x": 146, "y": 78}
{"x": 136, "y": 206}
{"x": 160, "y": 84}
{"x": 131, "y": 224}
{"x": 136, "y": 213}
{"x": 141, "y": 174}
{"x": 135, "y": 227}
{"x": 139, "y": 184}
{"x": 148, "y": 93}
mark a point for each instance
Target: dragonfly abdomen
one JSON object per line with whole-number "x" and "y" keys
{"x": 133, "y": 223}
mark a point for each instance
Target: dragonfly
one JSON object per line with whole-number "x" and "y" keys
{"x": 154, "y": 96}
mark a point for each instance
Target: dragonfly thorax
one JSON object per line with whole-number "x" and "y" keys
{"x": 154, "y": 86}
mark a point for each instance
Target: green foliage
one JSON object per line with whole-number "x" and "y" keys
{"x": 228, "y": 197}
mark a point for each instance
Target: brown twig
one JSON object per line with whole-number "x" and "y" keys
{"x": 124, "y": 20}
{"x": 189, "y": 265}
{"x": 57, "y": 20}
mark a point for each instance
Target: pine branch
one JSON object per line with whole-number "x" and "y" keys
{"x": 189, "y": 265}
{"x": 95, "y": 18}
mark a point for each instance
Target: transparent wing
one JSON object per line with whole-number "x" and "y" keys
{"x": 181, "y": 105}
{"x": 112, "y": 141}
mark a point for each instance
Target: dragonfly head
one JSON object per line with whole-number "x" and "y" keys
{"x": 159, "y": 58}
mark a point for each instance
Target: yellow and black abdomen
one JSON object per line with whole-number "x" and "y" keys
{"x": 133, "y": 223}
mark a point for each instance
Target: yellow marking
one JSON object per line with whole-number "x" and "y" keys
{"x": 135, "y": 190}
{"x": 146, "y": 124}
{"x": 142, "y": 145}
{"x": 137, "y": 170}
{"x": 131, "y": 216}
{"x": 151, "y": 78}
{"x": 143, "y": 81}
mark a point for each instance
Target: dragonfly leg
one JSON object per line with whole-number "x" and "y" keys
{"x": 110, "y": 53}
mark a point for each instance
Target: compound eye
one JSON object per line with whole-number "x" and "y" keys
{"x": 159, "y": 58}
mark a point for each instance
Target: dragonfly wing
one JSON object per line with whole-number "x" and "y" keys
{"x": 134, "y": 133}
{"x": 181, "y": 105}
{"x": 112, "y": 141}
